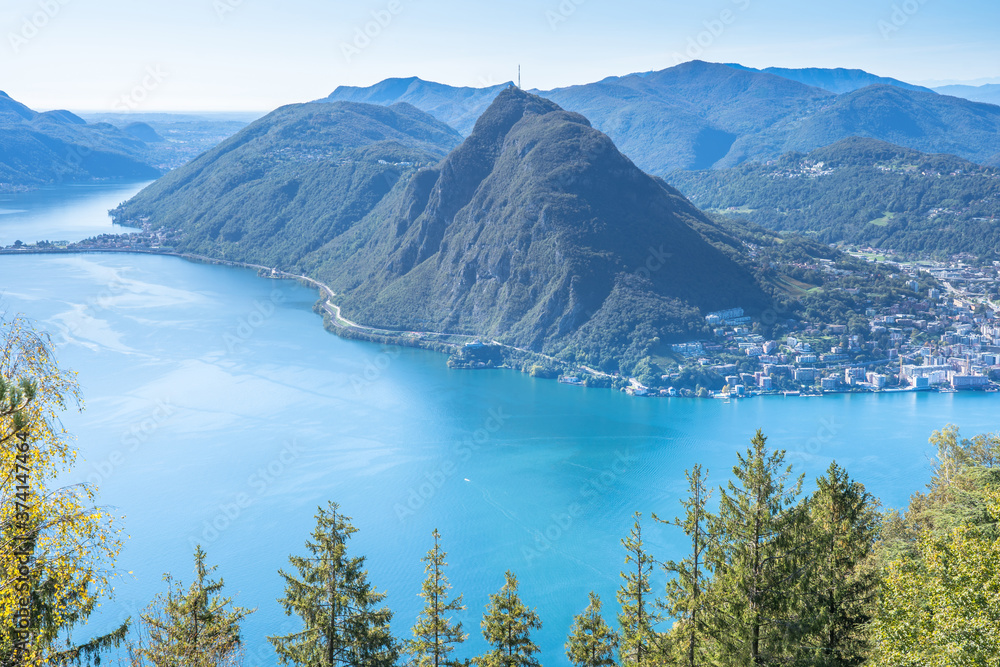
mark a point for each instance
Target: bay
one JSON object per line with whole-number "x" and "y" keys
{"x": 219, "y": 412}
{"x": 61, "y": 213}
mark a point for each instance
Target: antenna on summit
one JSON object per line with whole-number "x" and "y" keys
{"x": 518, "y": 77}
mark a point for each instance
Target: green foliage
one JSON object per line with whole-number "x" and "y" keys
{"x": 687, "y": 590}
{"x": 758, "y": 559}
{"x": 841, "y": 589}
{"x": 965, "y": 472}
{"x": 863, "y": 191}
{"x": 942, "y": 607}
{"x": 197, "y": 627}
{"x": 940, "y": 597}
{"x": 434, "y": 633}
{"x": 507, "y": 626}
{"x": 638, "y": 614}
{"x": 342, "y": 622}
{"x": 591, "y": 643}
{"x": 57, "y": 550}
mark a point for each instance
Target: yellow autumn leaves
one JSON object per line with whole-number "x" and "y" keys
{"x": 72, "y": 544}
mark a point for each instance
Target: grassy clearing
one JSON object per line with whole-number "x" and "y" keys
{"x": 883, "y": 221}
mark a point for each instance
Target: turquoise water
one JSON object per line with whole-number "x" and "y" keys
{"x": 219, "y": 412}
{"x": 61, "y": 213}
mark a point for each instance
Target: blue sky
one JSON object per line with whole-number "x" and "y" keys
{"x": 150, "y": 55}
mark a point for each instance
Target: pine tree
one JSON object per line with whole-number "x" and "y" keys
{"x": 196, "y": 628}
{"x": 638, "y": 614}
{"x": 686, "y": 592}
{"x": 758, "y": 559}
{"x": 844, "y": 581}
{"x": 507, "y": 626}
{"x": 592, "y": 643}
{"x": 343, "y": 624}
{"x": 434, "y": 634}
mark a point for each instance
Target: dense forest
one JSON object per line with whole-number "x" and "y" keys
{"x": 862, "y": 191}
{"x": 772, "y": 575}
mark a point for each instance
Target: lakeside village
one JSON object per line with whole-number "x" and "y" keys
{"x": 939, "y": 340}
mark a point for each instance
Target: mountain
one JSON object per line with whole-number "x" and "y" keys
{"x": 143, "y": 132}
{"x": 538, "y": 232}
{"x": 535, "y": 230}
{"x": 290, "y": 181}
{"x": 689, "y": 116}
{"x": 699, "y": 115}
{"x": 862, "y": 191}
{"x": 58, "y": 146}
{"x": 989, "y": 93}
{"x": 926, "y": 122}
{"x": 837, "y": 80}
{"x": 459, "y": 107}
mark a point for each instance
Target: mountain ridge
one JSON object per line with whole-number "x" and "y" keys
{"x": 59, "y": 146}
{"x": 699, "y": 115}
{"x": 836, "y": 80}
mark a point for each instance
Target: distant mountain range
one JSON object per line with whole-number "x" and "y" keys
{"x": 863, "y": 191}
{"x": 701, "y": 115}
{"x": 174, "y": 139}
{"x": 58, "y": 146}
{"x": 458, "y": 107}
{"x": 837, "y": 80}
{"x": 535, "y": 230}
{"x": 988, "y": 93}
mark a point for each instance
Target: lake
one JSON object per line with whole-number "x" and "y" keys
{"x": 219, "y": 412}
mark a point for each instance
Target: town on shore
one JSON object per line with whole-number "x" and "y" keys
{"x": 937, "y": 340}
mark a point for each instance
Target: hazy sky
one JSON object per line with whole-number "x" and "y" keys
{"x": 151, "y": 55}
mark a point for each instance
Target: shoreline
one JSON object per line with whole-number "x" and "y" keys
{"x": 333, "y": 321}
{"x": 452, "y": 344}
